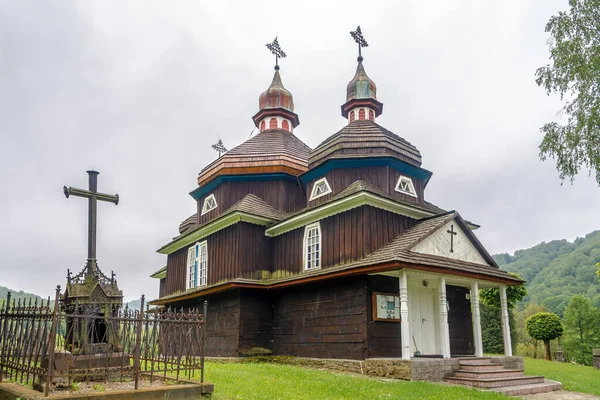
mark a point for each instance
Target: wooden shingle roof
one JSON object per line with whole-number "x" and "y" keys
{"x": 271, "y": 151}
{"x": 364, "y": 138}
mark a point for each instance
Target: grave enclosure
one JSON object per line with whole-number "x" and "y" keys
{"x": 44, "y": 347}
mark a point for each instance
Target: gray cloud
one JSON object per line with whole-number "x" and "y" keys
{"x": 139, "y": 90}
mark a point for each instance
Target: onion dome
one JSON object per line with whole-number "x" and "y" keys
{"x": 361, "y": 97}
{"x": 276, "y": 107}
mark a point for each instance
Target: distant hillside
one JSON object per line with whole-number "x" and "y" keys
{"x": 18, "y": 295}
{"x": 557, "y": 270}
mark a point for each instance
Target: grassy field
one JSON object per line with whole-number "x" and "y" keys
{"x": 271, "y": 381}
{"x": 575, "y": 378}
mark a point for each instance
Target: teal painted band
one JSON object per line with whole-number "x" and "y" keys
{"x": 202, "y": 190}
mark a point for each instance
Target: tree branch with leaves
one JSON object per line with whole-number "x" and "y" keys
{"x": 574, "y": 73}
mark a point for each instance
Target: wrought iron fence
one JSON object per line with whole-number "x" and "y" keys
{"x": 42, "y": 343}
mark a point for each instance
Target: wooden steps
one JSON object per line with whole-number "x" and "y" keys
{"x": 484, "y": 374}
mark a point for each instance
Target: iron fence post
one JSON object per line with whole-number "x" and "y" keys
{"x": 52, "y": 343}
{"x": 138, "y": 344}
{"x": 4, "y": 324}
{"x": 203, "y": 336}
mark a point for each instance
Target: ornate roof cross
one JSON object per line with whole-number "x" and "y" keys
{"x": 276, "y": 50}
{"x": 93, "y": 197}
{"x": 220, "y": 147}
{"x": 360, "y": 40}
{"x": 452, "y": 234}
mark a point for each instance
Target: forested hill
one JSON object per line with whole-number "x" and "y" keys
{"x": 557, "y": 270}
{"x": 18, "y": 295}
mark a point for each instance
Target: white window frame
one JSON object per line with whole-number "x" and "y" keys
{"x": 191, "y": 267}
{"x": 202, "y": 264}
{"x": 197, "y": 265}
{"x": 306, "y": 251}
{"x": 205, "y": 207}
{"x": 411, "y": 187}
{"x": 313, "y": 193}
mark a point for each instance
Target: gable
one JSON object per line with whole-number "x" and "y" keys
{"x": 439, "y": 243}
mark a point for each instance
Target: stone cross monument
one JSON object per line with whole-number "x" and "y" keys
{"x": 91, "y": 297}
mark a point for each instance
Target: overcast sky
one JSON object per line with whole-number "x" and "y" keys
{"x": 138, "y": 90}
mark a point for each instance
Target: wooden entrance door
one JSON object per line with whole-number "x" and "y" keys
{"x": 422, "y": 320}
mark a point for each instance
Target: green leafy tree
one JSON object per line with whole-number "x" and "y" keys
{"x": 574, "y": 73}
{"x": 491, "y": 327}
{"x": 514, "y": 294}
{"x": 582, "y": 329}
{"x": 525, "y": 344}
{"x": 546, "y": 327}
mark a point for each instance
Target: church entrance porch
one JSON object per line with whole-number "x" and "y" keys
{"x": 439, "y": 314}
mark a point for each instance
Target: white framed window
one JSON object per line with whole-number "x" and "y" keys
{"x": 320, "y": 188}
{"x": 202, "y": 264}
{"x": 312, "y": 247}
{"x": 192, "y": 265}
{"x": 197, "y": 265}
{"x": 210, "y": 203}
{"x": 405, "y": 186}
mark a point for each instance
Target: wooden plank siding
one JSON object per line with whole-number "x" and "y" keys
{"x": 383, "y": 336}
{"x": 385, "y": 178}
{"x": 222, "y": 322}
{"x": 238, "y": 251}
{"x": 283, "y": 195}
{"x": 325, "y": 320}
{"x": 346, "y": 237}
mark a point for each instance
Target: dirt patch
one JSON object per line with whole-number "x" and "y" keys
{"x": 561, "y": 395}
{"x": 109, "y": 386}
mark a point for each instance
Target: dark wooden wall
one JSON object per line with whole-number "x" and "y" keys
{"x": 222, "y": 322}
{"x": 460, "y": 322}
{"x": 161, "y": 287}
{"x": 346, "y": 237}
{"x": 384, "y": 338}
{"x": 256, "y": 321}
{"x": 325, "y": 320}
{"x": 384, "y": 178}
{"x": 283, "y": 195}
{"x": 240, "y": 250}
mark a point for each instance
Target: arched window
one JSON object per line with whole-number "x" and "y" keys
{"x": 262, "y": 125}
{"x": 285, "y": 125}
{"x": 352, "y": 116}
{"x": 273, "y": 123}
{"x": 371, "y": 115}
{"x": 361, "y": 114}
{"x": 197, "y": 265}
{"x": 312, "y": 247}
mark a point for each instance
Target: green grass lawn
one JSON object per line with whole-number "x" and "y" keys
{"x": 273, "y": 381}
{"x": 575, "y": 378}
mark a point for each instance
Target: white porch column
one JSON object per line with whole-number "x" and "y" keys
{"x": 444, "y": 331}
{"x": 476, "y": 319}
{"x": 404, "y": 324}
{"x": 505, "y": 322}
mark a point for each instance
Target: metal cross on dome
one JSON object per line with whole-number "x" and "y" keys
{"x": 276, "y": 50}
{"x": 220, "y": 147}
{"x": 360, "y": 40}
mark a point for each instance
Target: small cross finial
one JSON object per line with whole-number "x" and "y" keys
{"x": 360, "y": 40}
{"x": 276, "y": 50}
{"x": 220, "y": 147}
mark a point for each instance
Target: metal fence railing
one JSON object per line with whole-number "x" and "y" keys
{"x": 42, "y": 342}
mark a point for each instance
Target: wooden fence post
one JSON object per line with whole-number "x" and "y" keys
{"x": 203, "y": 336}
{"x": 138, "y": 344}
{"x": 52, "y": 343}
{"x": 4, "y": 325}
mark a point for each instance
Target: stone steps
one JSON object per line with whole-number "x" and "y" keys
{"x": 484, "y": 373}
{"x": 522, "y": 390}
{"x": 489, "y": 373}
{"x": 487, "y": 383}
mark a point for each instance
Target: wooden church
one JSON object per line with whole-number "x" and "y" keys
{"x": 331, "y": 252}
